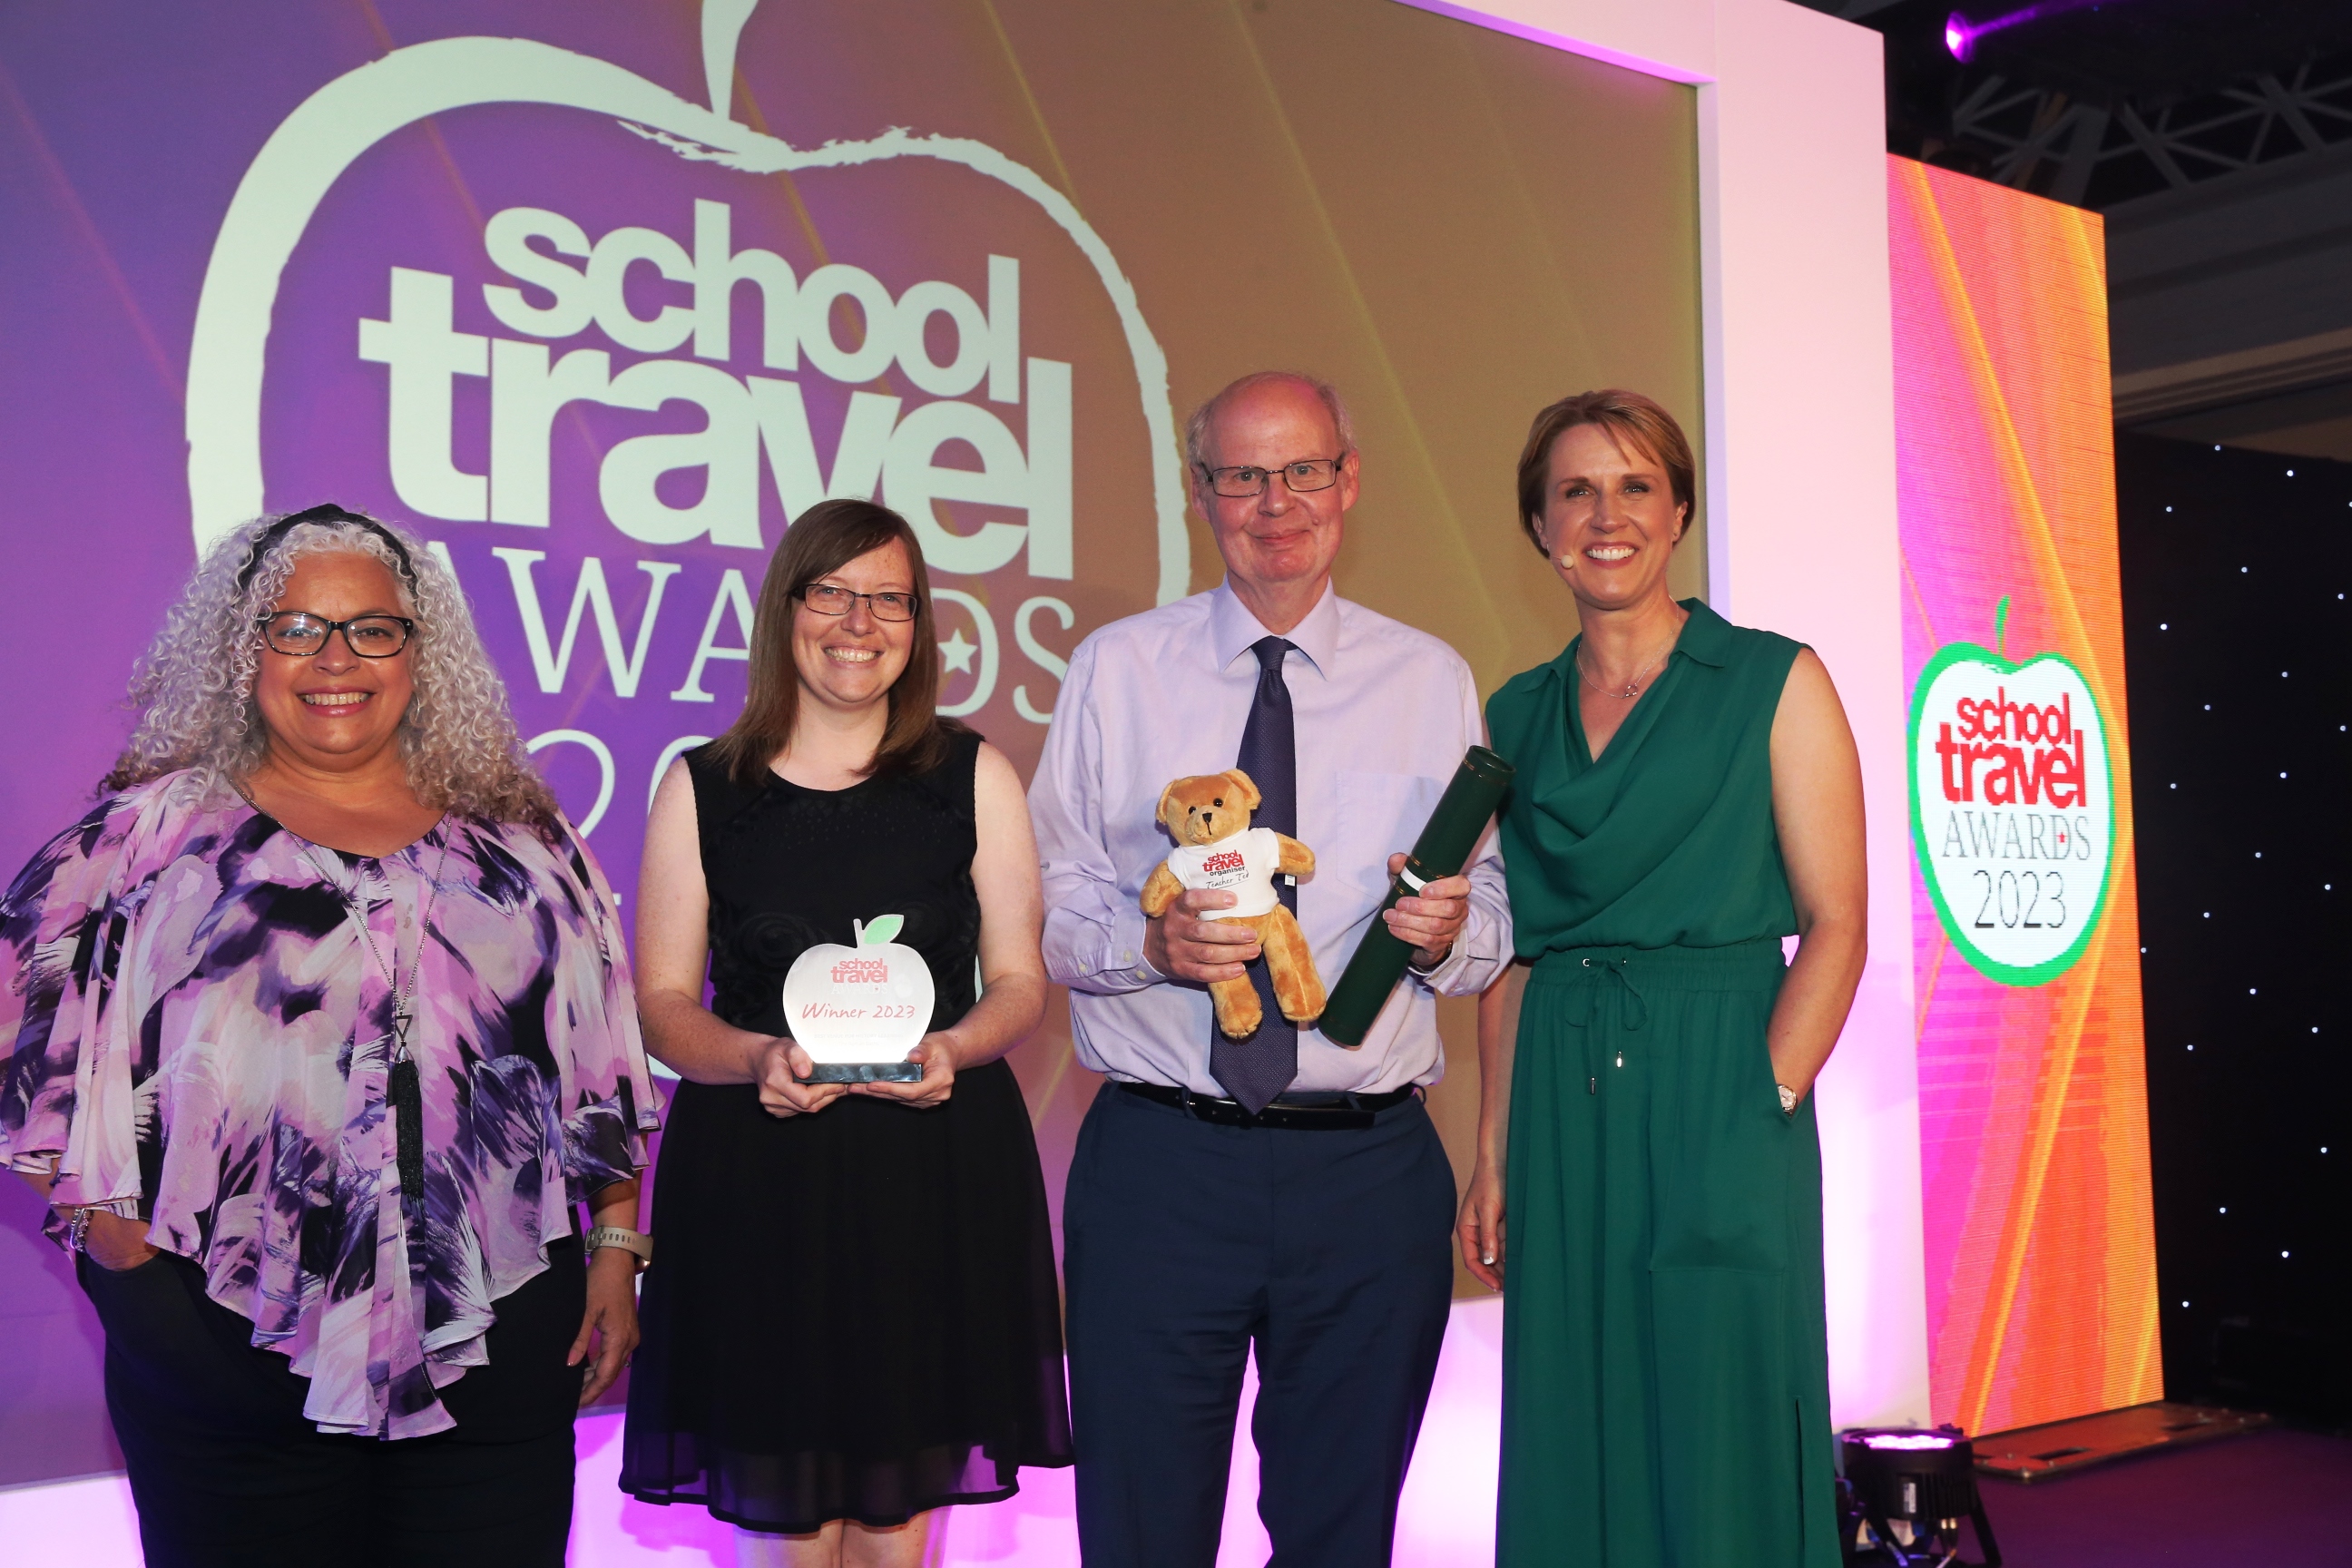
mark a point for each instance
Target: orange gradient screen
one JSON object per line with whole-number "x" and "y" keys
{"x": 2041, "y": 1261}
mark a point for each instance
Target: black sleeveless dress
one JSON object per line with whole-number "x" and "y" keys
{"x": 855, "y": 1313}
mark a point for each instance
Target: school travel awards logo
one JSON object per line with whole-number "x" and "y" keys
{"x": 2012, "y": 806}
{"x": 591, "y": 402}
{"x": 332, "y": 129}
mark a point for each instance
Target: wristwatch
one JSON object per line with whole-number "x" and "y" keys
{"x": 1787, "y": 1100}
{"x": 635, "y": 1241}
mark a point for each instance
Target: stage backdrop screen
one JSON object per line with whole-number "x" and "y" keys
{"x": 2041, "y": 1261}
{"x": 597, "y": 294}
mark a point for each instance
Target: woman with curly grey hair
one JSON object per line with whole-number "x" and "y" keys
{"x": 314, "y": 1031}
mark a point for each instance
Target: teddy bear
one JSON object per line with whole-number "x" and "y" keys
{"x": 1209, "y": 816}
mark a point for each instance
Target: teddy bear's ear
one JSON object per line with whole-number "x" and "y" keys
{"x": 1168, "y": 804}
{"x": 1248, "y": 788}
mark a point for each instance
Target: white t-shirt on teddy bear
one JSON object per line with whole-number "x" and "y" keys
{"x": 1243, "y": 865}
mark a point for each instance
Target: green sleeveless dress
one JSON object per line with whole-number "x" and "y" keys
{"x": 1665, "y": 1378}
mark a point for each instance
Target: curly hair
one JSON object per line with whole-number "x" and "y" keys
{"x": 194, "y": 692}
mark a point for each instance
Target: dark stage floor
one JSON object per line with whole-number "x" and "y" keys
{"x": 2269, "y": 1500}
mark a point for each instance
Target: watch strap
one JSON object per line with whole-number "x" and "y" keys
{"x": 635, "y": 1241}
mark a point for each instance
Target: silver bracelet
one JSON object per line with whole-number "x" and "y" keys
{"x": 78, "y": 1220}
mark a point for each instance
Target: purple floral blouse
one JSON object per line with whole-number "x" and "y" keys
{"x": 192, "y": 1027}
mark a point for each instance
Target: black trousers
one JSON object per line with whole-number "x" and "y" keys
{"x": 1331, "y": 1251}
{"x": 227, "y": 1473}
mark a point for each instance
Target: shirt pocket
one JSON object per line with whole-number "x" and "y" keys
{"x": 1379, "y": 815}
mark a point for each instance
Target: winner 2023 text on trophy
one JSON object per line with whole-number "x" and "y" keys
{"x": 1470, "y": 800}
{"x": 857, "y": 1011}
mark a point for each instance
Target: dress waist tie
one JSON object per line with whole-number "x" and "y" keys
{"x": 1601, "y": 971}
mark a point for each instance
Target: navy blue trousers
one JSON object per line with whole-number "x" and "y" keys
{"x": 1186, "y": 1244}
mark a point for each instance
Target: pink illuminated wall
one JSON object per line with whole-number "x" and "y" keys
{"x": 2041, "y": 1266}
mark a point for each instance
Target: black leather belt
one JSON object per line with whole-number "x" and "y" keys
{"x": 1296, "y": 1112}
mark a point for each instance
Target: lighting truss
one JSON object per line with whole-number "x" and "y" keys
{"x": 2093, "y": 154}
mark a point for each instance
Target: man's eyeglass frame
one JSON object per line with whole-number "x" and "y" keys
{"x": 407, "y": 630}
{"x": 1266, "y": 477}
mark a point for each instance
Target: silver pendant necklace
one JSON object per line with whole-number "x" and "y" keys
{"x": 404, "y": 1091}
{"x": 355, "y": 910}
{"x": 1633, "y": 687}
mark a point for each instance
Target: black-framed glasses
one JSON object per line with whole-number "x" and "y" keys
{"x": 826, "y": 599}
{"x": 300, "y": 633}
{"x": 1303, "y": 476}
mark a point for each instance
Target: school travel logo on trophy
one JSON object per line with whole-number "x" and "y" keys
{"x": 2012, "y": 806}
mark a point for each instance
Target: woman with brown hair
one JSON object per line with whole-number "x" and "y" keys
{"x": 856, "y": 1322}
{"x": 1688, "y": 796}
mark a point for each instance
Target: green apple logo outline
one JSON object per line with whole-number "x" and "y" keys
{"x": 1984, "y": 963}
{"x": 329, "y": 130}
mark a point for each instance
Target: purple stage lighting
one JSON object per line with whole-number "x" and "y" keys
{"x": 1960, "y": 35}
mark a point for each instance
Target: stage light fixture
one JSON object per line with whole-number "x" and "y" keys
{"x": 1960, "y": 35}
{"x": 1911, "y": 1487}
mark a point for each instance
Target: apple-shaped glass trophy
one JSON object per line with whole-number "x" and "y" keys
{"x": 858, "y": 1010}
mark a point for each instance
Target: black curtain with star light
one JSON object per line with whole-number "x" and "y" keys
{"x": 2237, "y": 565}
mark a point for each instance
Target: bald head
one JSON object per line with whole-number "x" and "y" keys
{"x": 1197, "y": 446}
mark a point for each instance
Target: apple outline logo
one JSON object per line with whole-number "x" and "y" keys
{"x": 1996, "y": 662}
{"x": 815, "y": 981}
{"x": 313, "y": 146}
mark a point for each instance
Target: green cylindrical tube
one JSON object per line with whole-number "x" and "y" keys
{"x": 1463, "y": 811}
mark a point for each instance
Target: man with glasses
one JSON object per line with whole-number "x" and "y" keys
{"x": 1283, "y": 1192}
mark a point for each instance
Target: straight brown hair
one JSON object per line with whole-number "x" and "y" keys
{"x": 826, "y": 538}
{"x": 1631, "y": 420}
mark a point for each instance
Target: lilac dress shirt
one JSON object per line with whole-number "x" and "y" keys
{"x": 1384, "y": 714}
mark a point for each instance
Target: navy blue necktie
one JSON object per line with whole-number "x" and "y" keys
{"x": 1257, "y": 1069}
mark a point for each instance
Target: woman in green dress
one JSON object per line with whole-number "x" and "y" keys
{"x": 1689, "y": 794}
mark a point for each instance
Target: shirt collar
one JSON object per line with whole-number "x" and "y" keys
{"x": 1233, "y": 630}
{"x": 1705, "y": 637}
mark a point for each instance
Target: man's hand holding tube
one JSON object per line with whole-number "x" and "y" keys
{"x": 1430, "y": 920}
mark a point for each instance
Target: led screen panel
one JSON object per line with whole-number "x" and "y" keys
{"x": 2041, "y": 1263}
